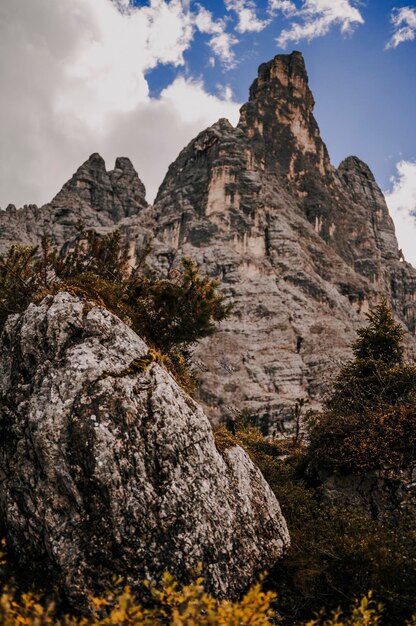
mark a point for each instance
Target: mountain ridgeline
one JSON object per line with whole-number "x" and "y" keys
{"x": 301, "y": 249}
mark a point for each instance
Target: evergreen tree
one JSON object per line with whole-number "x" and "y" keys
{"x": 377, "y": 375}
{"x": 382, "y": 339}
{"x": 177, "y": 312}
{"x": 171, "y": 314}
{"x": 369, "y": 417}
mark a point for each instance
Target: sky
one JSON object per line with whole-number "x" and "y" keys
{"x": 141, "y": 78}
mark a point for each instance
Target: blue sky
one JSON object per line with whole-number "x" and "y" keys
{"x": 365, "y": 94}
{"x": 141, "y": 78}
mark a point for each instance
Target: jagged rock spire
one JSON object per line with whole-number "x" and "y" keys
{"x": 119, "y": 193}
{"x": 303, "y": 249}
{"x": 278, "y": 118}
{"x": 93, "y": 196}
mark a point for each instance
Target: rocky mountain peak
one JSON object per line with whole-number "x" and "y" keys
{"x": 120, "y": 193}
{"x": 88, "y": 178}
{"x": 359, "y": 179}
{"x": 96, "y": 197}
{"x": 128, "y": 187}
{"x": 285, "y": 73}
{"x": 279, "y": 121}
{"x": 302, "y": 249}
{"x": 126, "y": 166}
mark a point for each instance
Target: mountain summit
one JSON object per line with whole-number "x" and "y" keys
{"x": 278, "y": 118}
{"x": 98, "y": 198}
{"x": 302, "y": 249}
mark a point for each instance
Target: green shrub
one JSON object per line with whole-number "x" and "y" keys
{"x": 359, "y": 442}
{"x": 170, "y": 314}
{"x": 336, "y": 554}
{"x": 377, "y": 376}
{"x": 177, "y": 311}
{"x": 369, "y": 418}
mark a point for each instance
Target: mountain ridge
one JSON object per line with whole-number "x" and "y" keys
{"x": 302, "y": 249}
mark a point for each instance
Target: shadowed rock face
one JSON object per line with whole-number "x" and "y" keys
{"x": 279, "y": 123}
{"x": 380, "y": 493}
{"x": 118, "y": 193}
{"x": 301, "y": 248}
{"x": 107, "y": 468}
{"x": 98, "y": 198}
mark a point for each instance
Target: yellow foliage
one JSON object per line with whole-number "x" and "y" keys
{"x": 172, "y": 605}
{"x": 224, "y": 439}
{"x": 364, "y": 613}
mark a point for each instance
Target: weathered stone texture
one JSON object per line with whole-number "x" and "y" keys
{"x": 380, "y": 493}
{"x": 110, "y": 468}
{"x": 302, "y": 249}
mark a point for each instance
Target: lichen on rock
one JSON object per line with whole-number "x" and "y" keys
{"x": 119, "y": 474}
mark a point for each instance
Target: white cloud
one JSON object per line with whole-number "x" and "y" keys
{"x": 76, "y": 84}
{"x": 193, "y": 105}
{"x": 221, "y": 42}
{"x": 317, "y": 17}
{"x": 205, "y": 22}
{"x": 247, "y": 16}
{"x": 221, "y": 45}
{"x": 404, "y": 26}
{"x": 401, "y": 200}
{"x": 287, "y": 7}
{"x": 107, "y": 68}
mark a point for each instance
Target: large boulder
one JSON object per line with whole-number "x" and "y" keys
{"x": 107, "y": 466}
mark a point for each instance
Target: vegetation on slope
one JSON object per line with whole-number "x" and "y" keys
{"x": 337, "y": 554}
{"x": 368, "y": 423}
{"x": 171, "y": 314}
{"x": 171, "y": 604}
{"x": 369, "y": 419}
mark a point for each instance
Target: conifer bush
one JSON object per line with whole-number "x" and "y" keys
{"x": 171, "y": 314}
{"x": 369, "y": 418}
{"x": 337, "y": 553}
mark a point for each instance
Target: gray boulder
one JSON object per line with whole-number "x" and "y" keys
{"x": 107, "y": 466}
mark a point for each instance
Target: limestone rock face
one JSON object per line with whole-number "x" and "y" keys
{"x": 107, "y": 466}
{"x": 119, "y": 193}
{"x": 279, "y": 123}
{"x": 98, "y": 198}
{"x": 302, "y": 249}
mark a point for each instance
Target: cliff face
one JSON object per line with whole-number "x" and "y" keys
{"x": 108, "y": 467}
{"x": 301, "y": 248}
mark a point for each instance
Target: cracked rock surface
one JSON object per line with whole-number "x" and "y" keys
{"x": 381, "y": 493}
{"x": 93, "y": 196}
{"x": 301, "y": 248}
{"x": 109, "y": 470}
